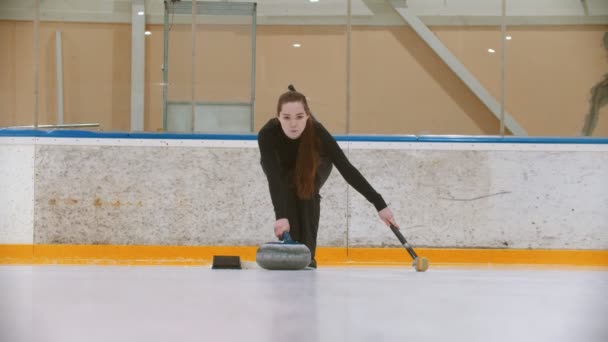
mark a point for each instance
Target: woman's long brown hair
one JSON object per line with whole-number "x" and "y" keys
{"x": 308, "y": 151}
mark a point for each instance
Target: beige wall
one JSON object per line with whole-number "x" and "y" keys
{"x": 398, "y": 85}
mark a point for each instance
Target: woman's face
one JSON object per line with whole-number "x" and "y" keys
{"x": 293, "y": 119}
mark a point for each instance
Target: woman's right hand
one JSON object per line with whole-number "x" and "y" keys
{"x": 281, "y": 226}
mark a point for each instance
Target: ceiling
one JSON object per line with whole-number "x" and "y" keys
{"x": 305, "y": 12}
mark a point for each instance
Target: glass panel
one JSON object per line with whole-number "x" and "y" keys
{"x": 176, "y": 33}
{"x": 85, "y": 64}
{"x": 302, "y": 43}
{"x": 16, "y": 63}
{"x": 409, "y": 64}
{"x": 213, "y": 72}
{"x": 556, "y": 67}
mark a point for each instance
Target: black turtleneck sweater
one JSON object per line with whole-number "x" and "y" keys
{"x": 279, "y": 153}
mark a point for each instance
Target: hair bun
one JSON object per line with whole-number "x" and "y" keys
{"x": 291, "y": 87}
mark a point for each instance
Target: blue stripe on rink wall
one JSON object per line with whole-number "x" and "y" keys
{"x": 358, "y": 138}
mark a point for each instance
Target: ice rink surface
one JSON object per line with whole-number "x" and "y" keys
{"x": 153, "y": 303}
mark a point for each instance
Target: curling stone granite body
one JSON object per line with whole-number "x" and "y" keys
{"x": 283, "y": 256}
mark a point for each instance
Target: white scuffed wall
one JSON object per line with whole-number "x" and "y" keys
{"x": 494, "y": 199}
{"x": 16, "y": 194}
{"x": 204, "y": 192}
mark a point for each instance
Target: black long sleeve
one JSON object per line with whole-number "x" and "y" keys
{"x": 347, "y": 170}
{"x": 278, "y": 155}
{"x": 276, "y": 175}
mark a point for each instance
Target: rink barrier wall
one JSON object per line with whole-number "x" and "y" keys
{"x": 71, "y": 197}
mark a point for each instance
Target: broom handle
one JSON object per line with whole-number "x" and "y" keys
{"x": 404, "y": 242}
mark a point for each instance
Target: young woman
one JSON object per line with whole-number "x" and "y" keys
{"x": 297, "y": 154}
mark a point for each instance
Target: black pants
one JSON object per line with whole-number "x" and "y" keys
{"x": 304, "y": 215}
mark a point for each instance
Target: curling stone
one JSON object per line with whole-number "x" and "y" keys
{"x": 285, "y": 255}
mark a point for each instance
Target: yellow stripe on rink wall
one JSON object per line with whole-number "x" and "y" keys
{"x": 202, "y": 255}
{"x": 483, "y": 256}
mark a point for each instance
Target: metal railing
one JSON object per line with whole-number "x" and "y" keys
{"x": 61, "y": 126}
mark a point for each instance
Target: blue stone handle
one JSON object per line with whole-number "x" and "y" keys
{"x": 287, "y": 238}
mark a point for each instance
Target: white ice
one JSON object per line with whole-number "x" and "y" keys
{"x": 102, "y": 303}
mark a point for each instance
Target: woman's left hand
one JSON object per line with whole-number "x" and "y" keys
{"x": 386, "y": 215}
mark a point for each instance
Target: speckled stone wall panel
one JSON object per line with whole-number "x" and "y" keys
{"x": 16, "y": 194}
{"x": 495, "y": 199}
{"x": 139, "y": 195}
{"x": 163, "y": 196}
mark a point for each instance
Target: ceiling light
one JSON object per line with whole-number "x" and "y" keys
{"x": 140, "y": 13}
{"x": 296, "y": 45}
{"x": 491, "y": 50}
{"x": 147, "y": 33}
{"x": 508, "y": 37}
